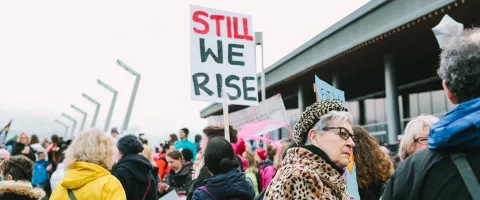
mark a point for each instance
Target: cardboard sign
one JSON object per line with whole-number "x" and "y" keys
{"x": 222, "y": 56}
{"x": 327, "y": 92}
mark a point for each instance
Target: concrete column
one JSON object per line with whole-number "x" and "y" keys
{"x": 336, "y": 80}
{"x": 391, "y": 91}
{"x": 301, "y": 104}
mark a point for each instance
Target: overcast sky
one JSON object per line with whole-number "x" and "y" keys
{"x": 54, "y": 50}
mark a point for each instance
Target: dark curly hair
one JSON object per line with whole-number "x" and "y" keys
{"x": 372, "y": 165}
{"x": 218, "y": 131}
{"x": 460, "y": 65}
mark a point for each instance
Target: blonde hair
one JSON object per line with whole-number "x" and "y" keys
{"x": 252, "y": 164}
{"x": 413, "y": 127}
{"x": 147, "y": 152}
{"x": 92, "y": 146}
{"x": 20, "y": 137}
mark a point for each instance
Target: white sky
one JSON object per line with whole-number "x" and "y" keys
{"x": 52, "y": 51}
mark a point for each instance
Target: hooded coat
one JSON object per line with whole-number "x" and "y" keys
{"x": 135, "y": 173}
{"x": 227, "y": 186}
{"x": 307, "y": 173}
{"x": 19, "y": 190}
{"x": 431, "y": 174}
{"x": 89, "y": 181}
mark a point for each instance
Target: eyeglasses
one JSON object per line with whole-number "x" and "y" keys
{"x": 343, "y": 133}
{"x": 421, "y": 140}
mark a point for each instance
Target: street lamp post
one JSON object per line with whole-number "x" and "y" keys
{"x": 64, "y": 125}
{"x": 74, "y": 123}
{"x": 259, "y": 41}
{"x": 94, "y": 120}
{"x": 134, "y": 92}
{"x": 82, "y": 125}
{"x": 112, "y": 105}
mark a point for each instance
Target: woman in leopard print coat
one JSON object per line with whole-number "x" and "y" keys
{"x": 314, "y": 171}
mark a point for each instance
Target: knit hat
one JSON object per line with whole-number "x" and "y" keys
{"x": 262, "y": 154}
{"x": 312, "y": 115}
{"x": 130, "y": 144}
{"x": 4, "y": 154}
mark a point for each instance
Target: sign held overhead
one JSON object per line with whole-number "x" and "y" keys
{"x": 327, "y": 92}
{"x": 222, "y": 56}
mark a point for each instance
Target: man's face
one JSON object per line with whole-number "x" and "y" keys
{"x": 183, "y": 135}
{"x": 114, "y": 134}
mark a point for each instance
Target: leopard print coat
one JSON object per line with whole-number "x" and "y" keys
{"x": 305, "y": 175}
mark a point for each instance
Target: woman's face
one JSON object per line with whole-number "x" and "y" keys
{"x": 336, "y": 148}
{"x": 421, "y": 140}
{"x": 24, "y": 139}
{"x": 203, "y": 143}
{"x": 174, "y": 164}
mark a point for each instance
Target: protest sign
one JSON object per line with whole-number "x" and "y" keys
{"x": 222, "y": 57}
{"x": 327, "y": 92}
{"x": 271, "y": 109}
{"x": 351, "y": 179}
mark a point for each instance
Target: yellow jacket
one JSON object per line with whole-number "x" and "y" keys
{"x": 89, "y": 181}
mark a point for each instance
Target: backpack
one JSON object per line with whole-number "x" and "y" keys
{"x": 204, "y": 189}
{"x": 466, "y": 172}
{"x": 166, "y": 163}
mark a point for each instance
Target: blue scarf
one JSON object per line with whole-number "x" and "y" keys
{"x": 458, "y": 129}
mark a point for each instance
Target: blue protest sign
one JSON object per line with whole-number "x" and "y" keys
{"x": 327, "y": 92}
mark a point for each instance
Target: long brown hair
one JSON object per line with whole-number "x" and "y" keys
{"x": 372, "y": 165}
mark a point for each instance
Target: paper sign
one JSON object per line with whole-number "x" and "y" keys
{"x": 222, "y": 55}
{"x": 271, "y": 109}
{"x": 351, "y": 179}
{"x": 327, "y": 92}
{"x": 172, "y": 195}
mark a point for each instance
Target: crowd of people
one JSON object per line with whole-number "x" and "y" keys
{"x": 436, "y": 158}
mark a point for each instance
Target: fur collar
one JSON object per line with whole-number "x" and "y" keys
{"x": 22, "y": 188}
{"x": 332, "y": 179}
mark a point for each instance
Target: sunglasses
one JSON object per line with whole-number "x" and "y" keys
{"x": 343, "y": 133}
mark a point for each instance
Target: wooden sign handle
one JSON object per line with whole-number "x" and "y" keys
{"x": 315, "y": 90}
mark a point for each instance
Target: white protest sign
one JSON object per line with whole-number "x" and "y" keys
{"x": 271, "y": 109}
{"x": 222, "y": 55}
{"x": 327, "y": 92}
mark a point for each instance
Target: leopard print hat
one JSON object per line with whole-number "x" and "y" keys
{"x": 311, "y": 116}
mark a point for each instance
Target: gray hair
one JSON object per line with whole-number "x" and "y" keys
{"x": 330, "y": 118}
{"x": 460, "y": 65}
{"x": 413, "y": 127}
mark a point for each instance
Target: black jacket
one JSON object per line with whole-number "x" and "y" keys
{"x": 135, "y": 173}
{"x": 373, "y": 192}
{"x": 430, "y": 175}
{"x": 200, "y": 181}
{"x": 180, "y": 182}
{"x": 18, "y": 148}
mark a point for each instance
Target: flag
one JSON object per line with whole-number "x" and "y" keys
{"x": 3, "y": 135}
